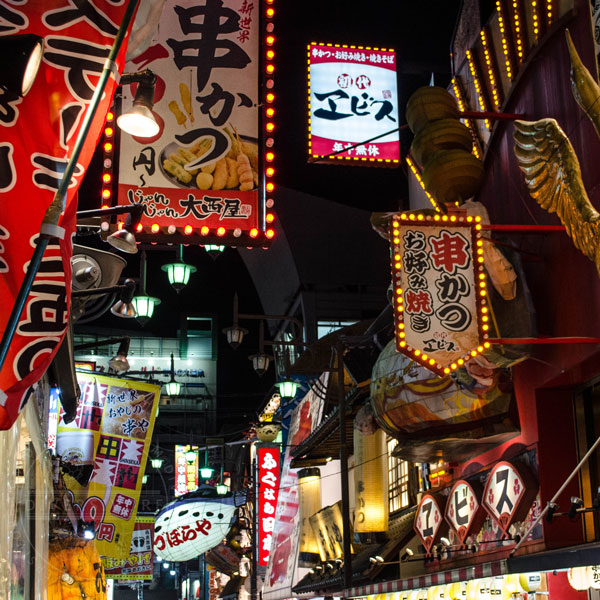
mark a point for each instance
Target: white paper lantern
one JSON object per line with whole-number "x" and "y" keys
{"x": 578, "y": 578}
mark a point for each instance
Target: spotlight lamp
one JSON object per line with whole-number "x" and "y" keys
{"x": 376, "y": 560}
{"x": 119, "y": 363}
{"x": 139, "y": 120}
{"x": 576, "y": 503}
{"x": 408, "y": 553}
{"x": 124, "y": 306}
{"x": 179, "y": 272}
{"x": 86, "y": 529}
{"x": 21, "y": 56}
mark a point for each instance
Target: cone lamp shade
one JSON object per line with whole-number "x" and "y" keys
{"x": 309, "y": 491}
{"x": 370, "y": 482}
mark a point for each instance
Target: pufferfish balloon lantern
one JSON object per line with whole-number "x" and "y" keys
{"x": 194, "y": 524}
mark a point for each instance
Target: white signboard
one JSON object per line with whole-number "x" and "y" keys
{"x": 464, "y": 512}
{"x": 429, "y": 520}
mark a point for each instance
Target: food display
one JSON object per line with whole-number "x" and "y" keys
{"x": 238, "y": 169}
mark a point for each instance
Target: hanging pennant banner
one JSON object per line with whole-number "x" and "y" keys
{"x": 107, "y": 447}
{"x": 439, "y": 289}
{"x": 38, "y": 136}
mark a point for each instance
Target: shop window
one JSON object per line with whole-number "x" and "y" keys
{"x": 399, "y": 476}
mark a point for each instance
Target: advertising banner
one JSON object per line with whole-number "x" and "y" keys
{"x": 268, "y": 490}
{"x": 38, "y": 136}
{"x": 186, "y": 471}
{"x": 353, "y": 101}
{"x": 138, "y": 565}
{"x": 281, "y": 570}
{"x": 201, "y": 169}
{"x": 439, "y": 289}
{"x": 107, "y": 445}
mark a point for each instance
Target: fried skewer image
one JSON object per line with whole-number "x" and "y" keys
{"x": 174, "y": 108}
{"x": 186, "y": 100}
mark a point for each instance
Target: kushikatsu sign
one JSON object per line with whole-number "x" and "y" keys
{"x": 440, "y": 308}
{"x": 353, "y": 101}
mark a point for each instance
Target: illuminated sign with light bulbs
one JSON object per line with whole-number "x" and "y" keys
{"x": 439, "y": 283}
{"x": 353, "y": 105}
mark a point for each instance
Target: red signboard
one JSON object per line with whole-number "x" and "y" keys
{"x": 39, "y": 134}
{"x": 268, "y": 490}
{"x": 200, "y": 175}
{"x": 441, "y": 313}
{"x": 353, "y": 104}
{"x": 429, "y": 520}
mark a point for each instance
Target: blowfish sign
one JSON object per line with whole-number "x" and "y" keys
{"x": 190, "y": 527}
{"x": 439, "y": 289}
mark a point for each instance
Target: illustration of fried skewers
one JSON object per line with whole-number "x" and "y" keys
{"x": 174, "y": 108}
{"x": 186, "y": 100}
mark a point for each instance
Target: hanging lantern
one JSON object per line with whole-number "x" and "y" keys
{"x": 530, "y": 582}
{"x": 436, "y": 592}
{"x": 309, "y": 490}
{"x": 472, "y": 592}
{"x": 156, "y": 463}
{"x": 191, "y": 455}
{"x": 144, "y": 307}
{"x": 457, "y": 591}
{"x": 222, "y": 489}
{"x": 511, "y": 583}
{"x": 172, "y": 388}
{"x": 179, "y": 274}
{"x": 214, "y": 250}
{"x": 287, "y": 389}
{"x": 578, "y": 578}
{"x": 370, "y": 482}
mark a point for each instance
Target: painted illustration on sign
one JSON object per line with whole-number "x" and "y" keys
{"x": 353, "y": 104}
{"x": 138, "y": 565}
{"x": 110, "y": 461}
{"x": 201, "y": 169}
{"x": 439, "y": 288}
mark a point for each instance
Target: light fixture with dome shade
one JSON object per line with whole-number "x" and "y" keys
{"x": 120, "y": 364}
{"x": 144, "y": 304}
{"x": 173, "y": 387}
{"x": 122, "y": 239}
{"x": 20, "y": 59}
{"x": 206, "y": 472}
{"x": 139, "y": 120}
{"x": 156, "y": 463}
{"x": 222, "y": 489}
{"x": 124, "y": 307}
{"x": 191, "y": 455}
{"x": 179, "y": 272}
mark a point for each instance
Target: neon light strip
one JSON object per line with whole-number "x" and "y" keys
{"x": 463, "y": 107}
{"x": 505, "y": 47}
{"x": 478, "y": 88}
{"x": 416, "y": 173}
{"x": 490, "y": 70}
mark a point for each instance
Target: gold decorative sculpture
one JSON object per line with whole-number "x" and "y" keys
{"x": 552, "y": 170}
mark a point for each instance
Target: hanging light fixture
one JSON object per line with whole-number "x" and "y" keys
{"x": 139, "y": 120}
{"x": 191, "y": 455}
{"x": 144, "y": 304}
{"x": 173, "y": 387}
{"x": 145, "y": 479}
{"x": 222, "y": 489}
{"x": 234, "y": 333}
{"x": 206, "y": 472}
{"x": 157, "y": 463}
{"x": 287, "y": 389}
{"x": 122, "y": 239}
{"x": 214, "y": 250}
{"x": 179, "y": 272}
{"x": 261, "y": 360}
{"x": 20, "y": 58}
{"x": 119, "y": 363}
{"x": 124, "y": 307}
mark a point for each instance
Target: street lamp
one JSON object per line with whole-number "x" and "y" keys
{"x": 179, "y": 272}
{"x": 173, "y": 387}
{"x": 144, "y": 304}
{"x": 156, "y": 463}
{"x": 287, "y": 389}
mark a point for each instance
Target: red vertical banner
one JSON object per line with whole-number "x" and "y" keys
{"x": 39, "y": 133}
{"x": 267, "y": 492}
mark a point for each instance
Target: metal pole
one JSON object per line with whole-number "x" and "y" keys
{"x": 555, "y": 497}
{"x": 344, "y": 468}
{"x": 50, "y": 228}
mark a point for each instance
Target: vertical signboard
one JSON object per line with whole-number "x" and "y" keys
{"x": 439, "y": 289}
{"x": 108, "y": 444}
{"x": 138, "y": 565}
{"x": 200, "y": 174}
{"x": 353, "y": 104}
{"x": 186, "y": 471}
{"x": 268, "y": 490}
{"x": 429, "y": 520}
{"x": 39, "y": 133}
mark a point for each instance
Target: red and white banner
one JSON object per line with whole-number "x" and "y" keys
{"x": 38, "y": 136}
{"x": 268, "y": 490}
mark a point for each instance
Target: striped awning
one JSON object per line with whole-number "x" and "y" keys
{"x": 490, "y": 569}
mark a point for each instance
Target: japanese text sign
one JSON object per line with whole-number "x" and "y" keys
{"x": 439, "y": 289}
{"x": 39, "y": 133}
{"x": 464, "y": 512}
{"x": 186, "y": 471}
{"x": 138, "y": 565}
{"x": 190, "y": 527}
{"x": 201, "y": 169}
{"x": 353, "y": 101}
{"x": 268, "y": 490}
{"x": 327, "y": 527}
{"x": 509, "y": 491}
{"x": 109, "y": 439}
{"x": 429, "y": 520}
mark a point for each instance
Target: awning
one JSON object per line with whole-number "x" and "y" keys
{"x": 549, "y": 560}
